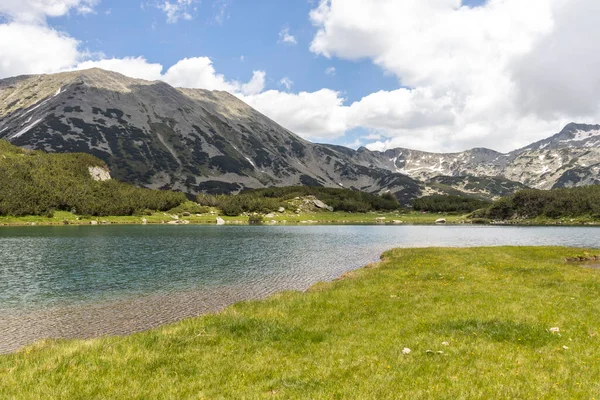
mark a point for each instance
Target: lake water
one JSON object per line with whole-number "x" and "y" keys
{"x": 94, "y": 280}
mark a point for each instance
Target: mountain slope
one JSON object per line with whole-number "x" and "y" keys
{"x": 157, "y": 136}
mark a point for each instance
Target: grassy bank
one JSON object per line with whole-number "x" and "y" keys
{"x": 477, "y": 323}
{"x": 321, "y": 217}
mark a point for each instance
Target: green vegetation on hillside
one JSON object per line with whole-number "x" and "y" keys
{"x": 556, "y": 203}
{"x": 271, "y": 199}
{"x": 38, "y": 183}
{"x": 449, "y": 204}
{"x": 479, "y": 323}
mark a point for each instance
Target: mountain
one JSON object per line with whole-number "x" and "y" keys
{"x": 569, "y": 158}
{"x": 154, "y": 135}
{"x": 157, "y": 136}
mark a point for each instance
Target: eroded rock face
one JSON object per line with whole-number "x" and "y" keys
{"x": 99, "y": 174}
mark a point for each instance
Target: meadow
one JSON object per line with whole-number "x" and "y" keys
{"x": 500, "y": 322}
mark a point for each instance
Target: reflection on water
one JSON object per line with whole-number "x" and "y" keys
{"x": 86, "y": 281}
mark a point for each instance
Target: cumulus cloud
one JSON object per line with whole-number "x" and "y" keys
{"x": 37, "y": 10}
{"x": 28, "y": 45}
{"x": 501, "y": 74}
{"x": 317, "y": 115}
{"x": 47, "y": 50}
{"x": 195, "y": 73}
{"x": 256, "y": 84}
{"x": 560, "y": 76}
{"x": 136, "y": 67}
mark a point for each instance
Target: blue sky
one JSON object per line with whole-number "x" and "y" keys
{"x": 436, "y": 75}
{"x": 248, "y": 28}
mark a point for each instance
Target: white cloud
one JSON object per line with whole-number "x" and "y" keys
{"x": 286, "y": 83}
{"x": 285, "y": 37}
{"x": 28, "y": 45}
{"x": 134, "y": 67}
{"x": 498, "y": 75}
{"x": 177, "y": 9}
{"x": 319, "y": 115}
{"x": 197, "y": 72}
{"x": 255, "y": 85}
{"x": 560, "y": 76}
{"x": 36, "y": 11}
{"x": 30, "y": 49}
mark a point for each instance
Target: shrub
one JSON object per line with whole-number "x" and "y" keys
{"x": 556, "y": 203}
{"x": 37, "y": 183}
{"x": 449, "y": 204}
{"x": 255, "y": 219}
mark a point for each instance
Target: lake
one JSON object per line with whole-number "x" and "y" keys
{"x": 87, "y": 281}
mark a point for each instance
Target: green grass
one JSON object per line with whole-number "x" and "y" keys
{"x": 340, "y": 340}
{"x": 413, "y": 218}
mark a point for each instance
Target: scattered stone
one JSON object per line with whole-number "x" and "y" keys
{"x": 397, "y": 222}
{"x": 176, "y": 217}
{"x": 99, "y": 174}
{"x": 144, "y": 221}
{"x": 322, "y": 205}
{"x": 93, "y": 222}
{"x": 380, "y": 219}
{"x": 173, "y": 223}
{"x": 186, "y": 214}
{"x": 281, "y": 210}
{"x": 220, "y": 221}
{"x": 440, "y": 221}
{"x": 406, "y": 350}
{"x": 198, "y": 215}
{"x": 270, "y": 215}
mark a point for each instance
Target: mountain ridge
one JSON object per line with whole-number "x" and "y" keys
{"x": 194, "y": 140}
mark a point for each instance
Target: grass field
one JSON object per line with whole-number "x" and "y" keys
{"x": 479, "y": 323}
{"x": 62, "y": 217}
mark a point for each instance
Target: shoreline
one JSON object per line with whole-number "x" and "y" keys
{"x": 88, "y": 321}
{"x": 417, "y": 315}
{"x": 308, "y": 219}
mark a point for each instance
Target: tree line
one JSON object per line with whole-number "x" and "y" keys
{"x": 556, "y": 203}
{"x": 271, "y": 199}
{"x": 449, "y": 204}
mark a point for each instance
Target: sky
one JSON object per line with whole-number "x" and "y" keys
{"x": 436, "y": 75}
